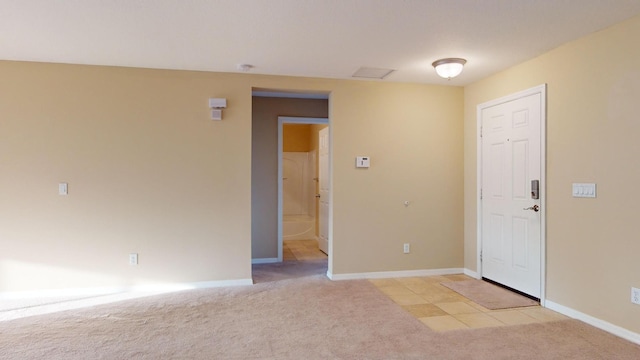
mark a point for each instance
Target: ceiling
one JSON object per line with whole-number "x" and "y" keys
{"x": 317, "y": 38}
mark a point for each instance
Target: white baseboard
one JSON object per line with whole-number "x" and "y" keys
{"x": 600, "y": 324}
{"x": 472, "y": 273}
{"x": 394, "y": 274}
{"x": 98, "y": 291}
{"x": 264, "y": 261}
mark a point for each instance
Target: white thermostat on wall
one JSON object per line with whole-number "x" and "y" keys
{"x": 363, "y": 161}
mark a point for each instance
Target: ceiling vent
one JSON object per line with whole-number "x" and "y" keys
{"x": 372, "y": 73}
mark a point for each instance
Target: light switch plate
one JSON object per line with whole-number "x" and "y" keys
{"x": 63, "y": 189}
{"x": 635, "y": 295}
{"x": 363, "y": 161}
{"x": 584, "y": 190}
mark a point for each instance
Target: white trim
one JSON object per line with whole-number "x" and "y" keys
{"x": 600, "y": 324}
{"x": 302, "y": 120}
{"x": 472, "y": 273}
{"x": 265, "y": 261}
{"x": 291, "y": 120}
{"x": 394, "y": 274}
{"x": 479, "y": 191}
{"x": 542, "y": 90}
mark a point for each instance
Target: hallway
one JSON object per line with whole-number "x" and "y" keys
{"x": 301, "y": 250}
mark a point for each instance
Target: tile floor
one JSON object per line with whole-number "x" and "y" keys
{"x": 301, "y": 250}
{"x": 438, "y": 307}
{"x": 443, "y": 309}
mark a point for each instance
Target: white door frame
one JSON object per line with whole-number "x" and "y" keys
{"x": 294, "y": 120}
{"x": 542, "y": 90}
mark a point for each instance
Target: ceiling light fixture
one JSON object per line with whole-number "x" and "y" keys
{"x": 449, "y": 68}
{"x": 245, "y": 67}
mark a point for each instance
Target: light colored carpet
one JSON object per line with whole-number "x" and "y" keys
{"x": 307, "y": 317}
{"x": 488, "y": 295}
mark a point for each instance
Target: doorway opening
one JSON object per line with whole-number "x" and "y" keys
{"x": 285, "y": 193}
{"x": 303, "y": 192}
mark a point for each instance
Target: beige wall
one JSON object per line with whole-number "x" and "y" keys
{"x": 592, "y": 136}
{"x": 264, "y": 197}
{"x": 413, "y": 134}
{"x": 149, "y": 172}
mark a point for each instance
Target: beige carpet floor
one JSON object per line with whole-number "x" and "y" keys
{"x": 304, "y": 317}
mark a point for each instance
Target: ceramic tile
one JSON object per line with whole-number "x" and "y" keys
{"x": 302, "y": 250}
{"x": 384, "y": 282}
{"x": 477, "y": 306}
{"x": 404, "y": 299}
{"x": 478, "y": 320}
{"x": 457, "y": 308}
{"x": 424, "y": 310}
{"x": 435, "y": 279}
{"x": 395, "y": 290}
{"x": 542, "y": 314}
{"x": 411, "y": 281}
{"x": 442, "y": 309}
{"x": 423, "y": 288}
{"x": 443, "y": 323}
{"x": 435, "y": 298}
{"x": 458, "y": 277}
{"x": 512, "y": 317}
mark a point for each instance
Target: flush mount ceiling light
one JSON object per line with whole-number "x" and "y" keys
{"x": 449, "y": 68}
{"x": 245, "y": 67}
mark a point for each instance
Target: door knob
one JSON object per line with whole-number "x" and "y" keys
{"x": 535, "y": 208}
{"x": 318, "y": 196}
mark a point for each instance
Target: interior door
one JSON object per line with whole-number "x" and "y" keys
{"x": 511, "y": 214}
{"x": 323, "y": 185}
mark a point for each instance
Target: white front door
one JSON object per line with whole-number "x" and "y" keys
{"x": 511, "y": 216}
{"x": 323, "y": 185}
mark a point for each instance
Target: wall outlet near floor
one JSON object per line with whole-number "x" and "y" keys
{"x": 635, "y": 295}
{"x": 133, "y": 259}
{"x": 407, "y": 248}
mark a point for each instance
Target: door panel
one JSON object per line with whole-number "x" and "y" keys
{"x": 495, "y": 240}
{"x": 323, "y": 184}
{"x": 511, "y": 158}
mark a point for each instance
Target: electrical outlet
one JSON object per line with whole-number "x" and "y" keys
{"x": 407, "y": 248}
{"x": 635, "y": 295}
{"x": 133, "y": 259}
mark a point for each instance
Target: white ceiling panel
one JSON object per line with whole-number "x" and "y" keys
{"x": 318, "y": 38}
